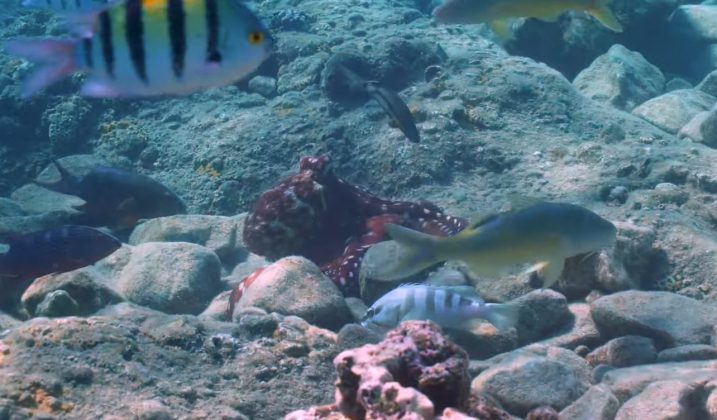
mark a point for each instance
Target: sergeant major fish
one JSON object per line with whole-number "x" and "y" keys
{"x": 55, "y": 251}
{"x": 497, "y": 12}
{"x": 542, "y": 234}
{"x": 154, "y": 47}
{"x": 450, "y": 307}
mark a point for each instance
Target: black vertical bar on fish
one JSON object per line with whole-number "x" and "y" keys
{"x": 447, "y": 300}
{"x": 63, "y": 4}
{"x": 108, "y": 53}
{"x": 87, "y": 52}
{"x": 430, "y": 300}
{"x": 49, "y": 3}
{"x": 78, "y": 4}
{"x": 134, "y": 33}
{"x": 177, "y": 35}
{"x": 213, "y": 55}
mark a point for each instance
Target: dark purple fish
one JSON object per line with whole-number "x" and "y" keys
{"x": 117, "y": 198}
{"x": 56, "y": 251}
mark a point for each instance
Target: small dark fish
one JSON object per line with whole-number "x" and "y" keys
{"x": 389, "y": 100}
{"x": 56, "y": 251}
{"x": 117, "y": 198}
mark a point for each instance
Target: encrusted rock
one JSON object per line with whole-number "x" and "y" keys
{"x": 673, "y": 110}
{"x": 621, "y": 78}
{"x": 624, "y": 351}
{"x": 579, "y": 330}
{"x": 296, "y": 286}
{"x": 660, "y": 401}
{"x": 688, "y": 352}
{"x": 597, "y": 403}
{"x": 533, "y": 376}
{"x": 699, "y": 22}
{"x": 173, "y": 277}
{"x": 643, "y": 313}
{"x": 218, "y": 233}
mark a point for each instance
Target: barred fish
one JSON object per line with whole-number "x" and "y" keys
{"x": 154, "y": 47}
{"x": 541, "y": 233}
{"x": 451, "y": 307}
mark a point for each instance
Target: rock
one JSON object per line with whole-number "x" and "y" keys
{"x": 34, "y": 199}
{"x": 621, "y": 78}
{"x": 85, "y": 287}
{"x": 57, "y": 303}
{"x": 220, "y": 234}
{"x": 264, "y": 86}
{"x": 300, "y": 73}
{"x": 666, "y": 193}
{"x": 711, "y": 400}
{"x": 543, "y": 413}
{"x": 152, "y": 410}
{"x": 296, "y": 286}
{"x": 218, "y": 308}
{"x": 673, "y": 110}
{"x": 698, "y": 22}
{"x": 10, "y": 208}
{"x": 676, "y": 84}
{"x": 7, "y": 322}
{"x": 579, "y": 331}
{"x": 351, "y": 336}
{"x": 628, "y": 382}
{"x": 172, "y": 277}
{"x": 597, "y": 403}
{"x": 644, "y": 313}
{"x": 532, "y": 376}
{"x": 688, "y": 352}
{"x": 624, "y": 351}
{"x": 662, "y": 400}
{"x": 708, "y": 85}
{"x": 541, "y": 312}
{"x": 357, "y": 307}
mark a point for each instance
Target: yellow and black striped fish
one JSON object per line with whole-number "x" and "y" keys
{"x": 154, "y": 47}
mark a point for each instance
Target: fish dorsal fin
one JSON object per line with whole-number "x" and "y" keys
{"x": 520, "y": 202}
{"x": 477, "y": 222}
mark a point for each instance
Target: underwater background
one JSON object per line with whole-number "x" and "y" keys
{"x": 223, "y": 275}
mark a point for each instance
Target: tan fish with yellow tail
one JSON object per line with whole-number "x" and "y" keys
{"x": 497, "y": 12}
{"x": 542, "y": 234}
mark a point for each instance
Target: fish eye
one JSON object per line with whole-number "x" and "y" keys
{"x": 255, "y": 37}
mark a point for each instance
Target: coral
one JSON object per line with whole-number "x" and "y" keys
{"x": 315, "y": 214}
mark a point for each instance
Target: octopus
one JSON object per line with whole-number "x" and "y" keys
{"x": 326, "y": 219}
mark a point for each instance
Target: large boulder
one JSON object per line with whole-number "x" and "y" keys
{"x": 624, "y": 351}
{"x": 172, "y": 277}
{"x": 673, "y": 110}
{"x": 621, "y": 78}
{"x": 533, "y": 376}
{"x": 698, "y": 22}
{"x": 658, "y": 315}
{"x": 662, "y": 400}
{"x": 296, "y": 286}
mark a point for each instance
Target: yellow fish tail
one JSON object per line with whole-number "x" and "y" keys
{"x": 602, "y": 12}
{"x": 416, "y": 252}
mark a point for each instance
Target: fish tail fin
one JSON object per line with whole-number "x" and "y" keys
{"x": 601, "y": 11}
{"x": 502, "y": 315}
{"x": 417, "y": 251}
{"x": 56, "y": 60}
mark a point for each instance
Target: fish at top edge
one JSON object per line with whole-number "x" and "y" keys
{"x": 153, "y": 47}
{"x": 57, "y": 250}
{"x": 449, "y": 307}
{"x": 496, "y": 13}
{"x": 542, "y": 234}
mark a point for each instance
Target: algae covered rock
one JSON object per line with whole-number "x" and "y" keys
{"x": 673, "y": 110}
{"x": 597, "y": 403}
{"x": 624, "y": 351}
{"x": 621, "y": 78}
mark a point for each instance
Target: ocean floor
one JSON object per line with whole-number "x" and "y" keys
{"x": 610, "y": 124}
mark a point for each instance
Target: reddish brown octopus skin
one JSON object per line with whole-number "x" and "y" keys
{"x": 322, "y": 217}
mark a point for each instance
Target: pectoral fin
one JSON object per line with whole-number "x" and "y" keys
{"x": 549, "y": 271}
{"x": 602, "y": 12}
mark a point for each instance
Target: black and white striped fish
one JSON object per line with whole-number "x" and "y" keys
{"x": 452, "y": 307}
{"x": 154, "y": 47}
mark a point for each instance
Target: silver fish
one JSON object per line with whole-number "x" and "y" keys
{"x": 451, "y": 307}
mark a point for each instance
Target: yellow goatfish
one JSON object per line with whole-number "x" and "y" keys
{"x": 542, "y": 234}
{"x": 497, "y": 12}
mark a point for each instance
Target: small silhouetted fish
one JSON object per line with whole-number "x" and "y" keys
{"x": 56, "y": 251}
{"x": 117, "y": 198}
{"x": 389, "y": 100}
